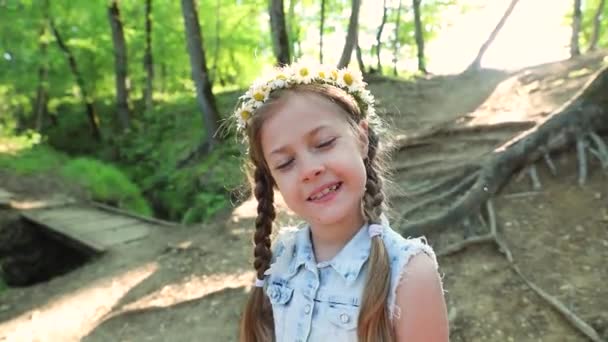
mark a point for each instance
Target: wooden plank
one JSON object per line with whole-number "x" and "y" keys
{"x": 61, "y": 230}
{"x": 87, "y": 226}
{"x": 43, "y": 203}
{"x": 68, "y": 213}
{"x": 112, "y": 237}
{"x": 5, "y": 198}
{"x": 152, "y": 220}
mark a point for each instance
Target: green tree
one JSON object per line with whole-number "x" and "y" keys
{"x": 280, "y": 42}
{"x": 200, "y": 74}
{"x": 120, "y": 64}
{"x": 351, "y": 35}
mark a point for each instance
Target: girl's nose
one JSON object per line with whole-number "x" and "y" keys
{"x": 311, "y": 170}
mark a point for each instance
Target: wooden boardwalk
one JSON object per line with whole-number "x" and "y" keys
{"x": 5, "y": 198}
{"x": 93, "y": 227}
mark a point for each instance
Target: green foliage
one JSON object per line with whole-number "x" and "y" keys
{"x": 432, "y": 23}
{"x": 151, "y": 152}
{"x": 31, "y": 160}
{"x": 25, "y": 155}
{"x": 196, "y": 193}
{"x": 236, "y": 39}
{"x": 106, "y": 183}
{"x": 588, "y": 11}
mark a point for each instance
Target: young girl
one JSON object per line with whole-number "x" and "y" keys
{"x": 345, "y": 275}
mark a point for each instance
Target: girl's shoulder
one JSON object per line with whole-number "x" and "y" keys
{"x": 400, "y": 251}
{"x": 399, "y": 247}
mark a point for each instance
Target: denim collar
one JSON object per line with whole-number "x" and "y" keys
{"x": 347, "y": 263}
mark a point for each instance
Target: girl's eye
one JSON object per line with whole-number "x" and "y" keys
{"x": 284, "y": 165}
{"x": 326, "y": 143}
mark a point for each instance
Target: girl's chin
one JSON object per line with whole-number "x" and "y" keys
{"x": 328, "y": 218}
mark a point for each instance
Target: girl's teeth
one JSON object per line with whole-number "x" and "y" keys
{"x": 325, "y": 192}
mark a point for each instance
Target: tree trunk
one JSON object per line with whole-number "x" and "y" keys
{"x": 379, "y": 38}
{"x": 216, "y": 56}
{"x": 40, "y": 106}
{"x": 90, "y": 109}
{"x": 294, "y": 30}
{"x": 200, "y": 75}
{"x": 148, "y": 61}
{"x": 280, "y": 42}
{"x": 120, "y": 64}
{"x": 321, "y": 29}
{"x": 419, "y": 36}
{"x": 476, "y": 64}
{"x": 396, "y": 44}
{"x": 360, "y": 58}
{"x": 577, "y": 121}
{"x": 576, "y": 28}
{"x": 351, "y": 35}
{"x": 597, "y": 23}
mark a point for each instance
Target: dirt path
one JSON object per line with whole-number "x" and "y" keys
{"x": 188, "y": 284}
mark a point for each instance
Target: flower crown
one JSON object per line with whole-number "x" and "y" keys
{"x": 288, "y": 76}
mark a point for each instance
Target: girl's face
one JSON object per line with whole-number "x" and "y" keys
{"x": 316, "y": 158}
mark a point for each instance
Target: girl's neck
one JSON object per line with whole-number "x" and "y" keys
{"x": 328, "y": 240}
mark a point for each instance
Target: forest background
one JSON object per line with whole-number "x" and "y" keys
{"x": 123, "y": 98}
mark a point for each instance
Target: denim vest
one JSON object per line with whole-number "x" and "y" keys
{"x": 320, "y": 301}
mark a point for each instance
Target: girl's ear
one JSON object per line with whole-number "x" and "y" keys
{"x": 363, "y": 130}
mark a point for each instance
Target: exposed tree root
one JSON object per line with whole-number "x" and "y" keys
{"x": 458, "y": 188}
{"x": 428, "y": 188}
{"x": 584, "y": 114}
{"x": 582, "y": 160}
{"x": 549, "y": 162}
{"x": 536, "y": 184}
{"x": 428, "y": 136}
{"x": 522, "y": 194}
{"x": 576, "y": 321}
{"x": 493, "y": 236}
{"x": 442, "y": 172}
{"x": 601, "y": 152}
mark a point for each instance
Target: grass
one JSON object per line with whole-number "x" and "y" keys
{"x": 103, "y": 181}
{"x": 124, "y": 166}
{"x": 106, "y": 183}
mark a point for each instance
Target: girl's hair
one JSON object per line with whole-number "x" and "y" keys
{"x": 374, "y": 323}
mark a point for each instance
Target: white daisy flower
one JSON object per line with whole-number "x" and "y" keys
{"x": 303, "y": 73}
{"x": 280, "y": 80}
{"x": 327, "y": 75}
{"x": 244, "y": 113}
{"x": 258, "y": 93}
{"x": 367, "y": 96}
{"x": 351, "y": 79}
{"x": 370, "y": 112}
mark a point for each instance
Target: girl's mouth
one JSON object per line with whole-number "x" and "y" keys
{"x": 325, "y": 194}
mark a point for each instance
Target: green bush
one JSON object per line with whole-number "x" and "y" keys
{"x": 24, "y": 154}
{"x": 106, "y": 183}
{"x": 158, "y": 140}
{"x": 30, "y": 160}
{"x": 197, "y": 192}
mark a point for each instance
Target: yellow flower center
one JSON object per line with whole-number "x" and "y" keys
{"x": 259, "y": 96}
{"x": 334, "y": 74}
{"x": 348, "y": 79}
{"x": 322, "y": 74}
{"x": 245, "y": 115}
{"x": 304, "y": 72}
